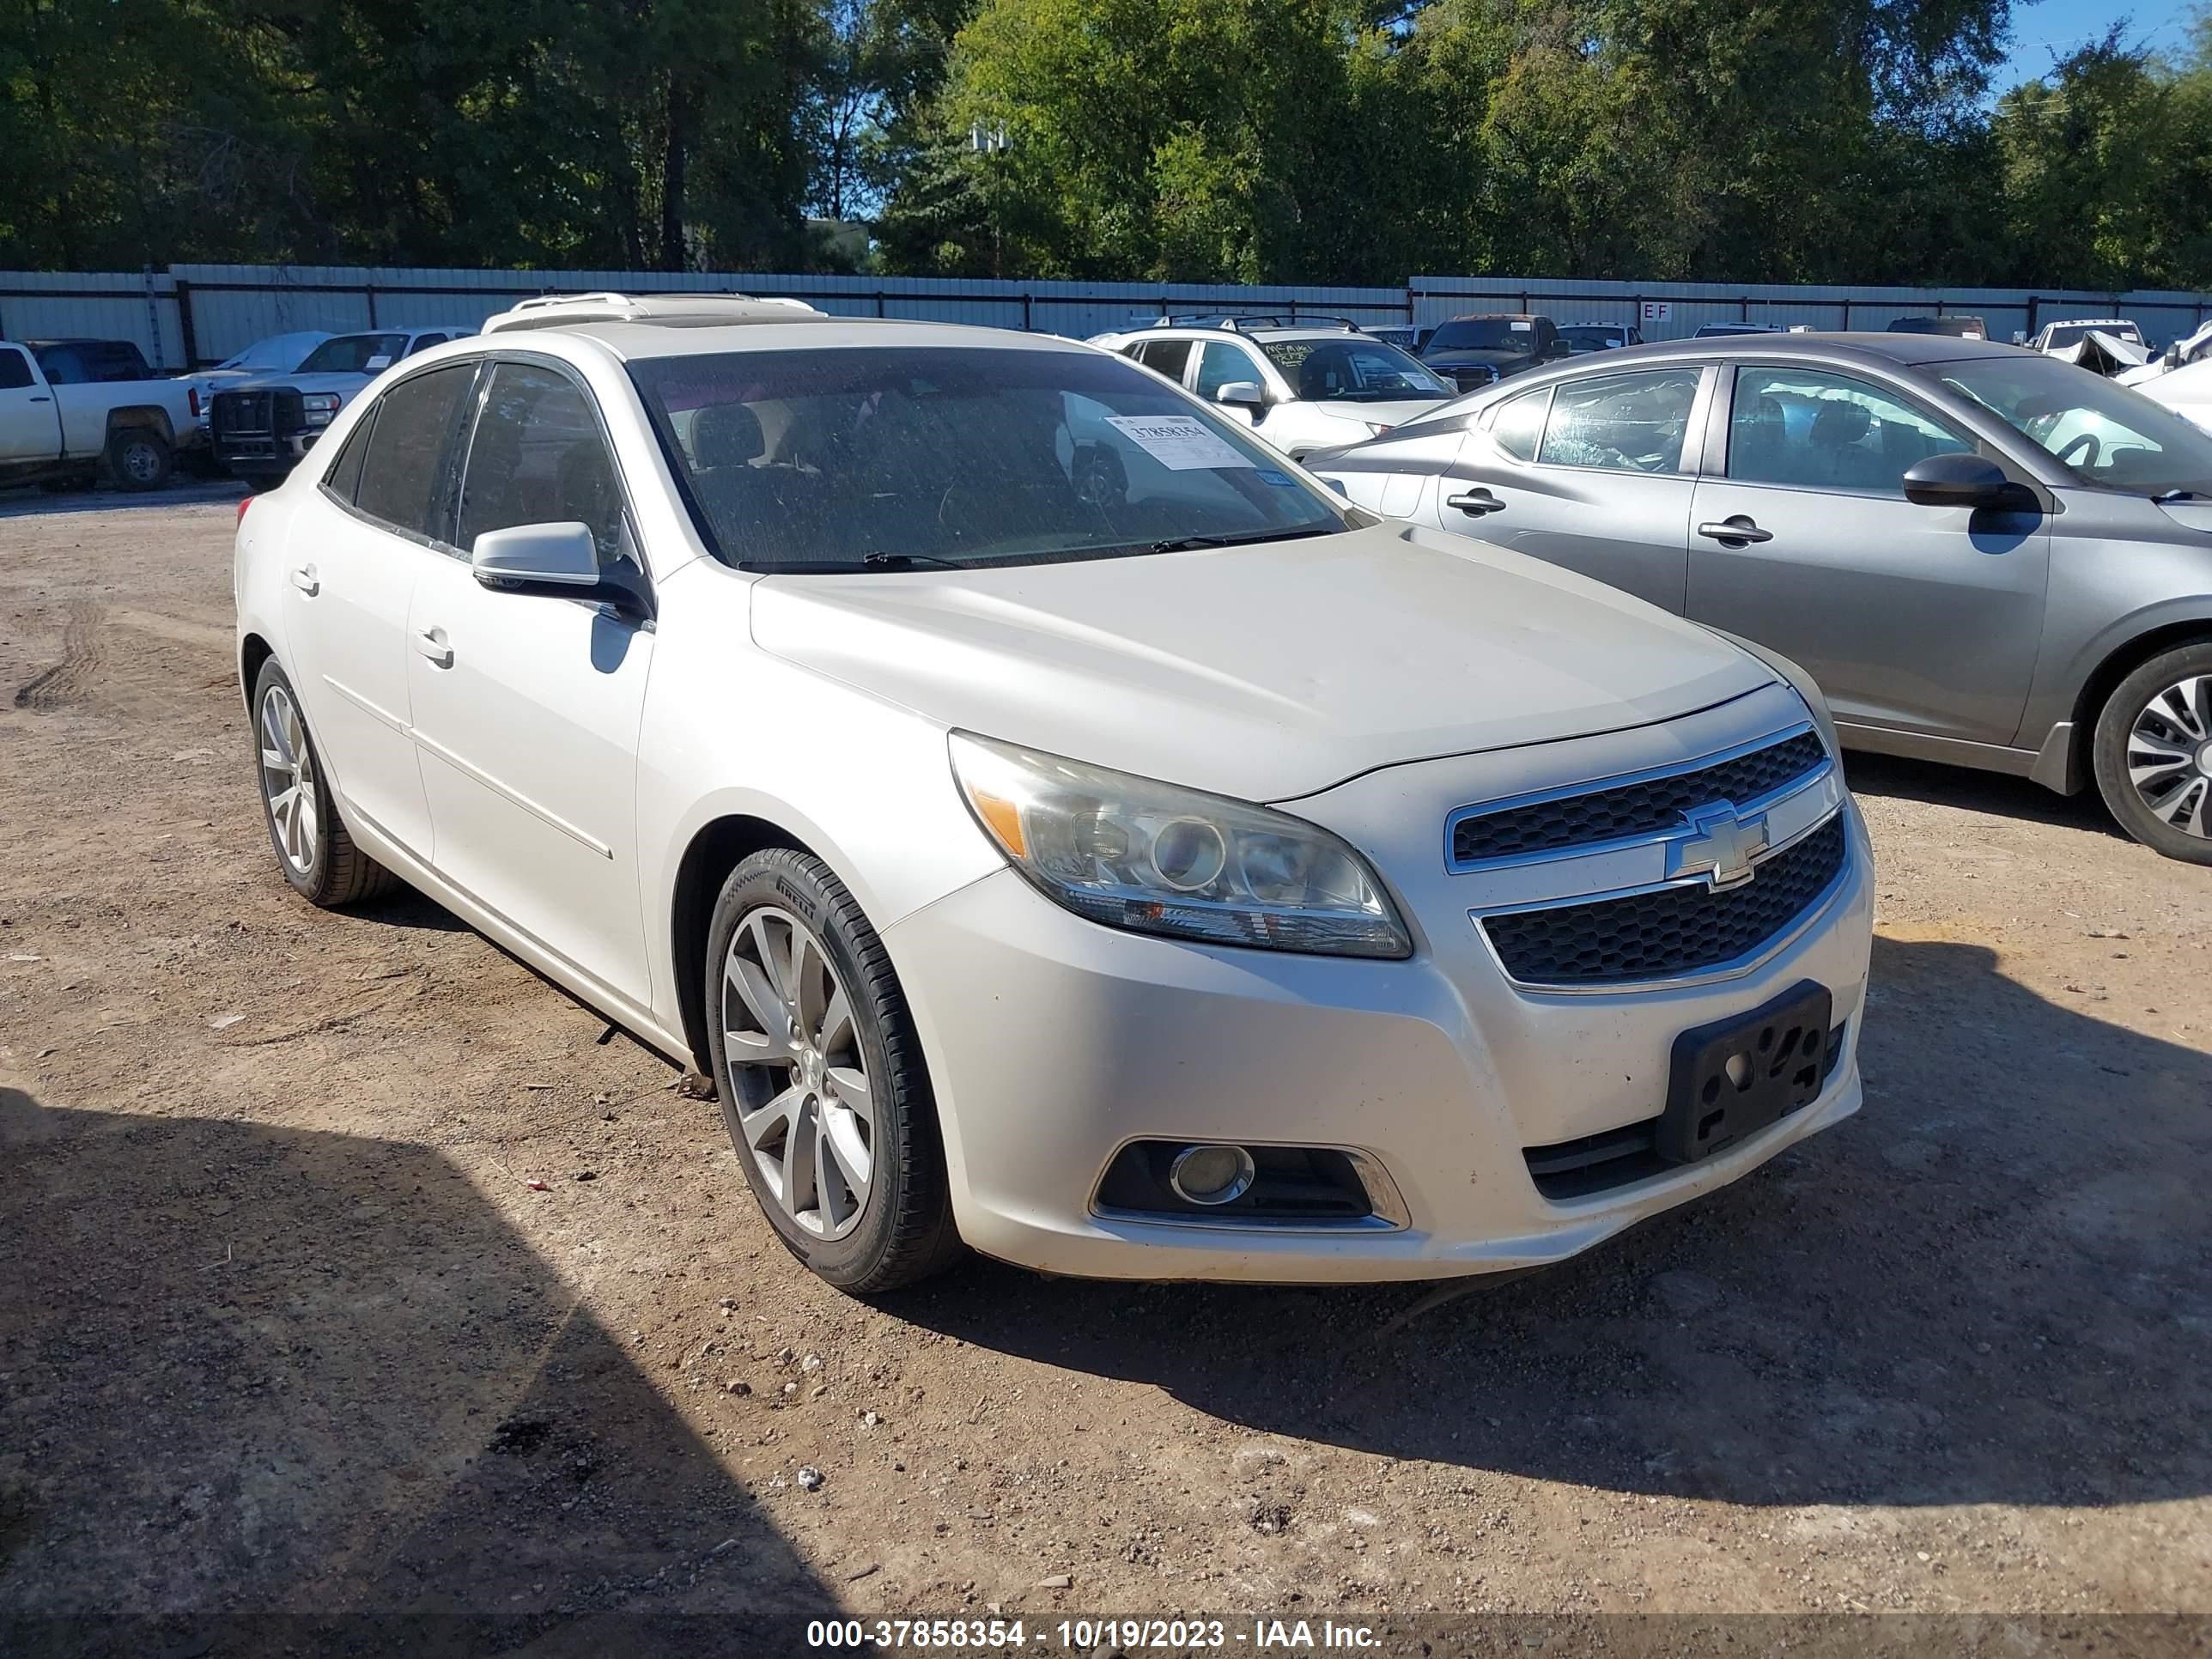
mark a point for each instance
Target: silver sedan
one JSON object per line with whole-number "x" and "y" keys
{"x": 1983, "y": 558}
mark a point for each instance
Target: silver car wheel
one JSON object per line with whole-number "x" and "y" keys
{"x": 2170, "y": 755}
{"x": 288, "y": 780}
{"x": 797, "y": 1073}
{"x": 141, "y": 462}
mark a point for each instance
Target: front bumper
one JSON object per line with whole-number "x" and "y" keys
{"x": 1053, "y": 1043}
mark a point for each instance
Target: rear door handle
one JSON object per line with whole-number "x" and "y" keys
{"x": 1737, "y": 528}
{"x": 1475, "y": 501}
{"x": 304, "y": 579}
{"x": 432, "y": 643}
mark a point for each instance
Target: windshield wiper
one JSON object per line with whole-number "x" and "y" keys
{"x": 1184, "y": 544}
{"x": 2181, "y": 496}
{"x": 908, "y": 562}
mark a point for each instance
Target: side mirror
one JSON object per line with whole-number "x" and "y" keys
{"x": 1958, "y": 480}
{"x": 1557, "y": 349}
{"x": 537, "y": 555}
{"x": 1248, "y": 395}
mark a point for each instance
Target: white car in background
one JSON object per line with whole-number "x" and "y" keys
{"x": 1196, "y": 878}
{"x": 1303, "y": 384}
{"x": 2186, "y": 391}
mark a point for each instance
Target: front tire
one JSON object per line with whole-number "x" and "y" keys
{"x": 139, "y": 458}
{"x": 821, "y": 1078}
{"x": 313, "y": 850}
{"x": 2153, "y": 752}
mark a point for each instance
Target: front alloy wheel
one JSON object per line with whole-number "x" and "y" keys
{"x": 797, "y": 1072}
{"x": 821, "y": 1079}
{"x": 2154, "y": 753}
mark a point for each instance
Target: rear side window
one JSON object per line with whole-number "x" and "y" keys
{"x": 424, "y": 342}
{"x": 344, "y": 480}
{"x": 1520, "y": 423}
{"x": 538, "y": 458}
{"x": 64, "y": 367}
{"x": 403, "y": 475}
{"x": 15, "y": 369}
{"x": 1165, "y": 356}
{"x": 1622, "y": 423}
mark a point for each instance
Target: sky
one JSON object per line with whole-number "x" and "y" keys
{"x": 2045, "y": 29}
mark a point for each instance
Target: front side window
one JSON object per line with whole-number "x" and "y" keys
{"x": 1622, "y": 422}
{"x": 825, "y": 460}
{"x": 1520, "y": 424}
{"x": 424, "y": 342}
{"x": 1220, "y": 363}
{"x": 538, "y": 456}
{"x": 404, "y": 473}
{"x": 1355, "y": 370}
{"x": 354, "y": 354}
{"x": 2103, "y": 432}
{"x": 1816, "y": 430}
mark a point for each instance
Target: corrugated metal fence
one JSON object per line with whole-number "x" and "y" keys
{"x": 195, "y": 315}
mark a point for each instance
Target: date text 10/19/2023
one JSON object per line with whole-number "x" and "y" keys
{"x": 1082, "y": 1635}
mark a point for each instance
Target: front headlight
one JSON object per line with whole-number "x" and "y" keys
{"x": 319, "y": 407}
{"x": 1156, "y": 859}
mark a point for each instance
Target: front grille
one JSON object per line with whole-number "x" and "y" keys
{"x": 1688, "y": 929}
{"x": 1655, "y": 805}
{"x": 242, "y": 415}
{"x": 273, "y": 414}
{"x": 1616, "y": 1157}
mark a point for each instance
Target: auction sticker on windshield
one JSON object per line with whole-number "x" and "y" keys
{"x": 1178, "y": 442}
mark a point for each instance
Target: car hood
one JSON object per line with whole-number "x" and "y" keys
{"x": 1396, "y": 412}
{"x": 1264, "y": 672}
{"x": 340, "y": 383}
{"x": 1494, "y": 356}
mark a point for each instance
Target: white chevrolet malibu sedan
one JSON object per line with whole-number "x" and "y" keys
{"x": 1054, "y": 823}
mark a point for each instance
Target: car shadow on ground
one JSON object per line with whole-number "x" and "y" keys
{"x": 1971, "y": 791}
{"x": 30, "y": 501}
{"x": 1990, "y": 1286}
{"x": 312, "y": 1391}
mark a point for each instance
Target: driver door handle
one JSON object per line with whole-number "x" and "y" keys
{"x": 304, "y": 579}
{"x": 1735, "y": 529}
{"x": 1475, "y": 501}
{"x": 432, "y": 643}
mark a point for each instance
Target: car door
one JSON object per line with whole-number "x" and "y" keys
{"x": 526, "y": 705}
{"x": 1917, "y": 618}
{"x": 1592, "y": 473}
{"x": 30, "y": 425}
{"x": 355, "y": 555}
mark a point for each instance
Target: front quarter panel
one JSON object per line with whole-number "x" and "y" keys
{"x": 731, "y": 731}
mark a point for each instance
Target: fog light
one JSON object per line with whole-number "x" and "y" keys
{"x": 1211, "y": 1174}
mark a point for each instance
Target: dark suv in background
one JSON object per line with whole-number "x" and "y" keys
{"x": 1474, "y": 351}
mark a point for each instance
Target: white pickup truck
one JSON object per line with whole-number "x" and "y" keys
{"x": 71, "y": 408}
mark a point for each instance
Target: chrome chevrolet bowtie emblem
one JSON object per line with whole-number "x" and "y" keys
{"x": 1720, "y": 846}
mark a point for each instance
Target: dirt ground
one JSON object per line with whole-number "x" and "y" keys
{"x": 347, "y": 1274}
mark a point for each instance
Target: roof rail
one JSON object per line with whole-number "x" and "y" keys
{"x": 1241, "y": 323}
{"x": 675, "y": 310}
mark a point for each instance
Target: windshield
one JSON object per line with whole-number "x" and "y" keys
{"x": 354, "y": 354}
{"x": 827, "y": 459}
{"x": 1485, "y": 334}
{"x": 1354, "y": 371}
{"x": 2066, "y": 334}
{"x": 1589, "y": 337}
{"x": 2103, "y": 432}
